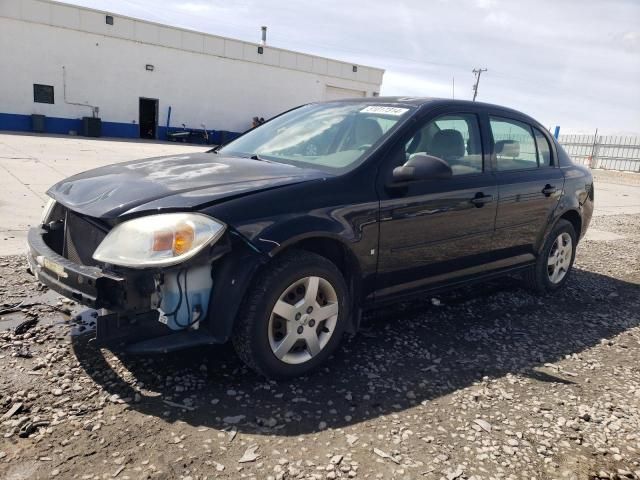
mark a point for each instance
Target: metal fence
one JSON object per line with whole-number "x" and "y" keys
{"x": 607, "y": 152}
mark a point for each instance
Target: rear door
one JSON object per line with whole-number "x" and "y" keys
{"x": 435, "y": 230}
{"x": 529, "y": 183}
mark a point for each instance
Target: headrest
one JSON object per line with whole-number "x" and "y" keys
{"x": 508, "y": 148}
{"x": 447, "y": 144}
{"x": 367, "y": 131}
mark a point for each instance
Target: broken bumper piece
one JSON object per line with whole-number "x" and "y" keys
{"x": 143, "y": 334}
{"x": 126, "y": 318}
{"x": 87, "y": 285}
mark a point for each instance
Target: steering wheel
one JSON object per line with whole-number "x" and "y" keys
{"x": 311, "y": 150}
{"x": 364, "y": 147}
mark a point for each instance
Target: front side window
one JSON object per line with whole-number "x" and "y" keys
{"x": 329, "y": 136}
{"x": 455, "y": 138}
{"x": 514, "y": 145}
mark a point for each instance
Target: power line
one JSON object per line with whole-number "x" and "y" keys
{"x": 477, "y": 72}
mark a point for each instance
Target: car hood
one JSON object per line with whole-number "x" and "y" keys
{"x": 173, "y": 182}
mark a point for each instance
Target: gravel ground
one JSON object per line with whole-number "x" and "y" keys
{"x": 613, "y": 176}
{"x": 486, "y": 382}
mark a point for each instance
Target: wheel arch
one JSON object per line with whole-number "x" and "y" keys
{"x": 571, "y": 215}
{"x": 337, "y": 251}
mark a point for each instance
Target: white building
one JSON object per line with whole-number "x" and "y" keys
{"x": 68, "y": 62}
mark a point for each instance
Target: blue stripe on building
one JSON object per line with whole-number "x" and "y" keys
{"x": 24, "y": 123}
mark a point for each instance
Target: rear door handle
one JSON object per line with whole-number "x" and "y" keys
{"x": 480, "y": 199}
{"x": 549, "y": 189}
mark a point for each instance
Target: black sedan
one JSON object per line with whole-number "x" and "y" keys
{"x": 279, "y": 240}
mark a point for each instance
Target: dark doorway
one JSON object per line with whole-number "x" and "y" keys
{"x": 148, "y": 117}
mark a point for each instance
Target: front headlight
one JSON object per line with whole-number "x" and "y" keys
{"x": 158, "y": 240}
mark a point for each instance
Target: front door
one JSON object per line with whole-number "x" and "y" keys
{"x": 148, "y": 121}
{"x": 433, "y": 230}
{"x": 529, "y": 184}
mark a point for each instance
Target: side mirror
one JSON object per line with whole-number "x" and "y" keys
{"x": 421, "y": 166}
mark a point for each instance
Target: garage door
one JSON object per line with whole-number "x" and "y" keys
{"x": 336, "y": 93}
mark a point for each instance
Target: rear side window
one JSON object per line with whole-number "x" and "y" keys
{"x": 514, "y": 144}
{"x": 544, "y": 149}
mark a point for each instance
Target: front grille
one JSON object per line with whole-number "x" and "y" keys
{"x": 81, "y": 238}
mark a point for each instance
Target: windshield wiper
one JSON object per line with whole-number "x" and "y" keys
{"x": 255, "y": 156}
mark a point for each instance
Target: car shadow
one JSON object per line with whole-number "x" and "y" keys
{"x": 404, "y": 355}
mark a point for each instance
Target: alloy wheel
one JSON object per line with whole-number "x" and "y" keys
{"x": 559, "y": 260}
{"x": 303, "y": 320}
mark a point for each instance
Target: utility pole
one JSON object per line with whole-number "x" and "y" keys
{"x": 477, "y": 72}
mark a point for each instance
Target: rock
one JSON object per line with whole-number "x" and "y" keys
{"x": 351, "y": 439}
{"x": 383, "y": 454}
{"x": 233, "y": 420}
{"x": 12, "y": 411}
{"x": 250, "y": 455}
{"x": 483, "y": 424}
{"x": 336, "y": 459}
{"x": 457, "y": 473}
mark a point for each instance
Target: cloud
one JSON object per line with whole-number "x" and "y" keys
{"x": 631, "y": 40}
{"x": 501, "y": 19}
{"x": 573, "y": 62}
{"x": 486, "y": 4}
{"x": 194, "y": 7}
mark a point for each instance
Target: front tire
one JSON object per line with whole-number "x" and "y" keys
{"x": 293, "y": 318}
{"x": 555, "y": 261}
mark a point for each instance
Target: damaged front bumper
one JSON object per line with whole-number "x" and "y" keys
{"x": 124, "y": 301}
{"x": 85, "y": 284}
{"x": 132, "y": 315}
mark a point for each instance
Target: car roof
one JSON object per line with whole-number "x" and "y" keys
{"x": 420, "y": 102}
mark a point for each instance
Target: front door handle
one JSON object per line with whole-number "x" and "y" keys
{"x": 549, "y": 189}
{"x": 480, "y": 199}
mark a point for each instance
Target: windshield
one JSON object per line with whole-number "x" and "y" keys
{"x": 328, "y": 136}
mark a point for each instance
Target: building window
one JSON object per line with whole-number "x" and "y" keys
{"x": 109, "y": 20}
{"x": 260, "y": 50}
{"x": 42, "y": 93}
{"x": 355, "y": 68}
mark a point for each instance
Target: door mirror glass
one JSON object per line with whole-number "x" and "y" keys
{"x": 422, "y": 167}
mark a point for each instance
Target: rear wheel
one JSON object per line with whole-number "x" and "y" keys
{"x": 555, "y": 261}
{"x": 293, "y": 318}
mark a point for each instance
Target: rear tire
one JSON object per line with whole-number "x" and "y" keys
{"x": 293, "y": 317}
{"x": 555, "y": 262}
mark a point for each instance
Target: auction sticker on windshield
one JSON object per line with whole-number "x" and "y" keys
{"x": 396, "y": 111}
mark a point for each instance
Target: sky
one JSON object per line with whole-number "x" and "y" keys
{"x": 573, "y": 63}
